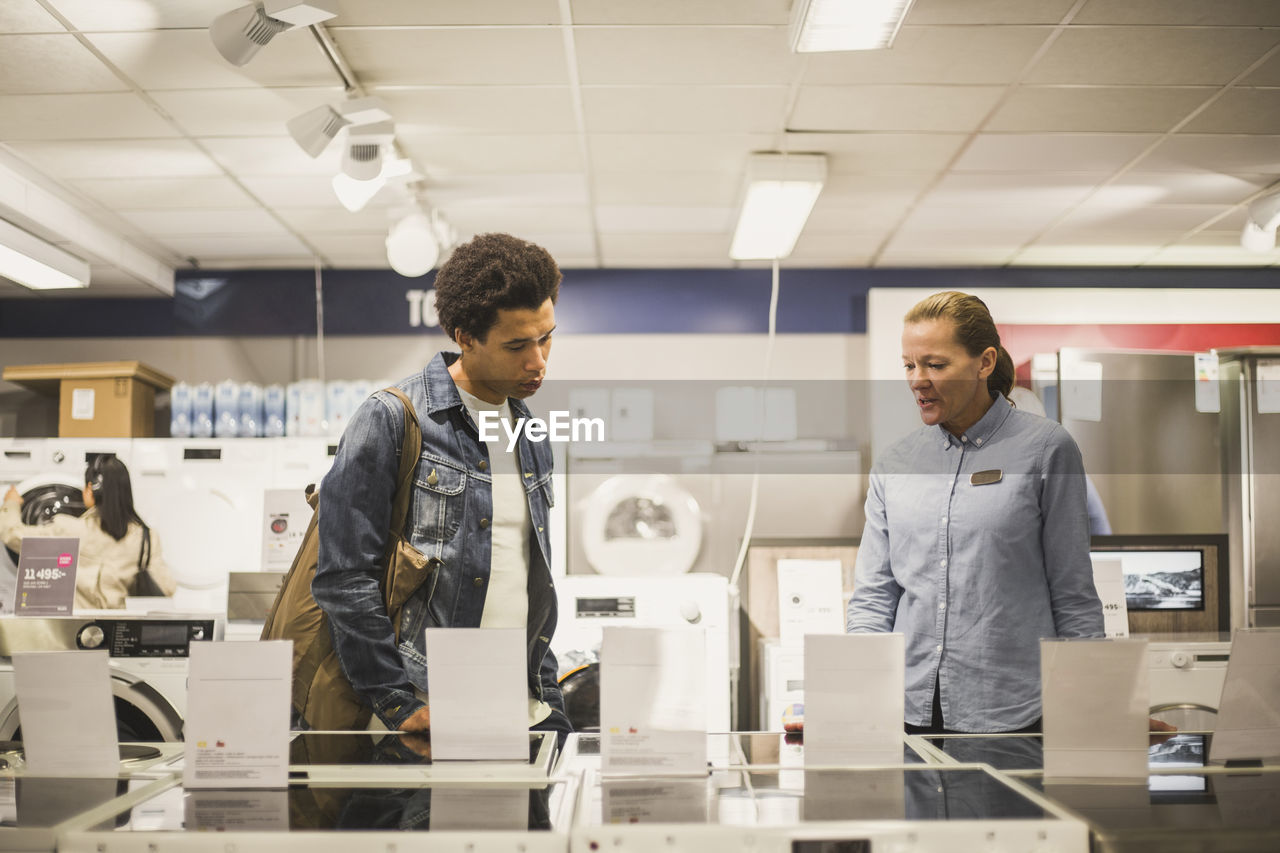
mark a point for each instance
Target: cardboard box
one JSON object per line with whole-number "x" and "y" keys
{"x": 97, "y": 399}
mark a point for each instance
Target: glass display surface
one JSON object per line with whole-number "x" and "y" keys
{"x": 1026, "y": 752}
{"x": 367, "y": 808}
{"x": 750, "y": 748}
{"x": 374, "y": 748}
{"x": 31, "y": 801}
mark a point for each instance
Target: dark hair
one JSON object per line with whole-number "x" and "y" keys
{"x": 108, "y": 478}
{"x": 489, "y": 273}
{"x": 975, "y": 331}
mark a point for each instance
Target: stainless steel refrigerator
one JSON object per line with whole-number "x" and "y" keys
{"x": 1148, "y": 445}
{"x": 1250, "y": 423}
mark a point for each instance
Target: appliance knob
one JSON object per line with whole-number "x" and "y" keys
{"x": 1181, "y": 660}
{"x": 59, "y": 457}
{"x": 689, "y": 610}
{"x": 90, "y": 637}
{"x": 197, "y": 632}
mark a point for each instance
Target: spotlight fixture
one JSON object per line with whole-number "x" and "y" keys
{"x": 781, "y": 190}
{"x": 827, "y": 25}
{"x": 354, "y": 195}
{"x": 362, "y": 153}
{"x": 414, "y": 244}
{"x": 316, "y": 128}
{"x": 241, "y": 33}
{"x": 36, "y": 264}
{"x": 1259, "y": 233}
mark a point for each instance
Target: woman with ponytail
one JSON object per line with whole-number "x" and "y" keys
{"x": 119, "y": 554}
{"x": 976, "y": 543}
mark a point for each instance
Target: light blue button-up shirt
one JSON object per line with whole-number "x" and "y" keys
{"x": 975, "y": 573}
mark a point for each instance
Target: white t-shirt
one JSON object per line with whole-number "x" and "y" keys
{"x": 506, "y": 603}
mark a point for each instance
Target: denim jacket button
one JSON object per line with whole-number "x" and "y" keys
{"x": 484, "y": 522}
{"x": 478, "y": 581}
{"x": 482, "y": 465}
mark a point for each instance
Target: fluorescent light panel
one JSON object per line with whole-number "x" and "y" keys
{"x": 781, "y": 191}
{"x": 826, "y": 25}
{"x": 33, "y": 263}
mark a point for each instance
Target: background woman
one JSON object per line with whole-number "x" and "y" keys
{"x": 115, "y": 543}
{"x": 976, "y": 542}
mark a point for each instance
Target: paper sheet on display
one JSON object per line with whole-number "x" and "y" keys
{"x": 68, "y": 714}
{"x": 653, "y": 699}
{"x": 853, "y": 701}
{"x": 1248, "y": 724}
{"x": 479, "y": 694}
{"x": 1108, "y": 580}
{"x": 1095, "y": 701}
{"x": 809, "y": 600}
{"x": 236, "y": 732}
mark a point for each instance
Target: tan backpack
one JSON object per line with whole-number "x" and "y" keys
{"x": 322, "y": 696}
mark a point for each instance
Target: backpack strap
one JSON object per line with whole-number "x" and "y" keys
{"x": 410, "y": 452}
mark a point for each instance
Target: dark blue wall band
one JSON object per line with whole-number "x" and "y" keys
{"x": 380, "y": 302}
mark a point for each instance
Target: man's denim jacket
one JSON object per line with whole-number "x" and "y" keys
{"x": 448, "y": 522}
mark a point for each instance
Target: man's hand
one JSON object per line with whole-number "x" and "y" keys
{"x": 12, "y": 495}
{"x": 1158, "y": 729}
{"x": 419, "y": 744}
{"x": 418, "y": 721}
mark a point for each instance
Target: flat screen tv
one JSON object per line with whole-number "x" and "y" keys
{"x": 1182, "y": 576}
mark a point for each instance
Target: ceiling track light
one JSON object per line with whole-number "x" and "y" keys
{"x": 416, "y": 242}
{"x": 362, "y": 153}
{"x": 241, "y": 33}
{"x": 1259, "y": 233}
{"x": 830, "y": 25}
{"x": 780, "y": 192}
{"x": 316, "y": 128}
{"x": 36, "y": 264}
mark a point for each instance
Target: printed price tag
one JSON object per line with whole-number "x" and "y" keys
{"x": 46, "y": 583}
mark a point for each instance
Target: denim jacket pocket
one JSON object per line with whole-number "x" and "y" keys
{"x": 438, "y": 500}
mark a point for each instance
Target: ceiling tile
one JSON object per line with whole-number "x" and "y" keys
{"x": 272, "y": 156}
{"x": 1246, "y": 13}
{"x": 1056, "y": 191}
{"x": 956, "y": 225}
{"x": 286, "y": 193}
{"x": 865, "y": 222}
{"x": 708, "y": 12}
{"x": 1240, "y": 111}
{"x": 166, "y": 223}
{"x": 243, "y": 247}
{"x": 664, "y": 249}
{"x": 1046, "y": 152}
{"x": 242, "y": 112}
{"x": 334, "y": 218}
{"x": 926, "y": 55}
{"x": 1072, "y": 235}
{"x": 1211, "y": 256}
{"x": 1153, "y": 217}
{"x": 461, "y": 56}
{"x": 450, "y": 154}
{"x": 370, "y": 245}
{"x": 988, "y": 12}
{"x": 519, "y": 220}
{"x": 159, "y": 193}
{"x": 684, "y": 109}
{"x": 1109, "y": 109}
{"x": 685, "y": 56}
{"x": 26, "y": 60}
{"x": 646, "y": 219}
{"x": 1267, "y": 74}
{"x": 837, "y": 250}
{"x": 1232, "y": 155}
{"x": 696, "y": 189}
{"x": 120, "y": 15}
{"x": 61, "y": 117}
{"x": 892, "y": 108}
{"x": 442, "y": 13}
{"x": 528, "y": 190}
{"x": 1141, "y": 188}
{"x": 872, "y": 153}
{"x": 481, "y": 109}
{"x": 1084, "y": 255}
{"x": 187, "y": 59}
{"x": 908, "y": 254}
{"x": 675, "y": 152}
{"x": 871, "y": 190}
{"x": 151, "y": 158}
{"x": 27, "y": 16}
{"x": 1151, "y": 56}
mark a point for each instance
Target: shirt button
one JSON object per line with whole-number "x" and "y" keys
{"x": 964, "y": 438}
{"x": 938, "y": 647}
{"x": 484, "y": 522}
{"x": 978, "y": 441}
{"x": 480, "y": 582}
{"x": 942, "y": 606}
{"x": 944, "y": 519}
{"x": 943, "y": 563}
{"x": 482, "y": 465}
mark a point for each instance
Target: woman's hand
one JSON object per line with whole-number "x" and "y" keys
{"x": 12, "y": 495}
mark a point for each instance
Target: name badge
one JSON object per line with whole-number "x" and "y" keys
{"x": 986, "y": 478}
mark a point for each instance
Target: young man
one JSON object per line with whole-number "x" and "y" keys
{"x": 478, "y": 512}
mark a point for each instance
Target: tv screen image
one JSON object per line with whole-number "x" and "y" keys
{"x": 1159, "y": 579}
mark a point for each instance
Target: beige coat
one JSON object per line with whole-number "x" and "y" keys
{"x": 106, "y": 566}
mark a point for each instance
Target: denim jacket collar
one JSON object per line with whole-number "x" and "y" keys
{"x": 442, "y": 391}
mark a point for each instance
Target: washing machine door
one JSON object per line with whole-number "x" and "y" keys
{"x": 641, "y": 525}
{"x": 142, "y": 714}
{"x": 43, "y": 497}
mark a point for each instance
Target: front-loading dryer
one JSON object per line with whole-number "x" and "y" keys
{"x": 148, "y": 657}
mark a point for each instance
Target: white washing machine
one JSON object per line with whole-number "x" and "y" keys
{"x": 1186, "y": 679}
{"x": 148, "y": 657}
{"x": 588, "y": 603}
{"x": 204, "y": 498}
{"x": 49, "y": 472}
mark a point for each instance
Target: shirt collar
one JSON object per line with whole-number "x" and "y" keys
{"x": 981, "y": 432}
